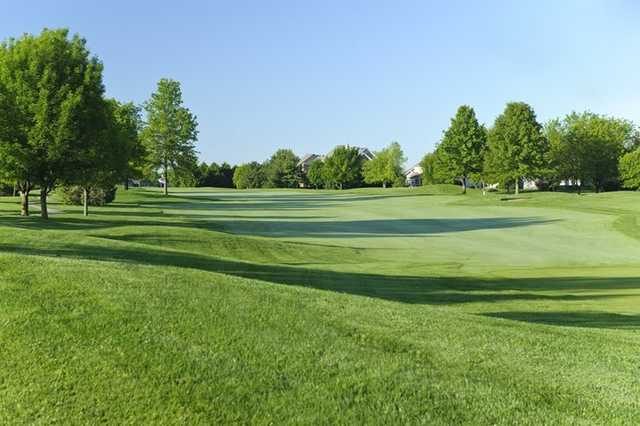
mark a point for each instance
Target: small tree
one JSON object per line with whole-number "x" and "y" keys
{"x": 516, "y": 146}
{"x": 281, "y": 170}
{"x": 343, "y": 167}
{"x": 463, "y": 146}
{"x": 315, "y": 174}
{"x": 170, "y": 132}
{"x": 630, "y": 169}
{"x": 385, "y": 167}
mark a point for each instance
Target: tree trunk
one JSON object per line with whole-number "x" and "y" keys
{"x": 44, "y": 213}
{"x": 384, "y": 184}
{"x": 166, "y": 181}
{"x": 126, "y": 184}
{"x": 24, "y": 203}
{"x": 517, "y": 186}
{"x": 340, "y": 186}
{"x": 85, "y": 201}
{"x": 464, "y": 185}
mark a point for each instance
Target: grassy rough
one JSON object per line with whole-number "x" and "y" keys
{"x": 364, "y": 306}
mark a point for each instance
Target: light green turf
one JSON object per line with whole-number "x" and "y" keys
{"x": 364, "y": 306}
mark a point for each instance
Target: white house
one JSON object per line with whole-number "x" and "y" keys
{"x": 305, "y": 162}
{"x": 413, "y": 175}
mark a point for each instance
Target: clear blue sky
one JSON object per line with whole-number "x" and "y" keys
{"x": 309, "y": 75}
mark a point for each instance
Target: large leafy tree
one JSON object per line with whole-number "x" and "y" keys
{"x": 127, "y": 121}
{"x": 315, "y": 174}
{"x": 170, "y": 132}
{"x": 463, "y": 146}
{"x": 586, "y": 147}
{"x": 386, "y": 166}
{"x": 343, "y": 167}
{"x": 250, "y": 175}
{"x": 215, "y": 175}
{"x": 101, "y": 159}
{"x": 51, "y": 96}
{"x": 227, "y": 172}
{"x": 517, "y": 146}
{"x": 434, "y": 170}
{"x": 281, "y": 170}
{"x": 630, "y": 169}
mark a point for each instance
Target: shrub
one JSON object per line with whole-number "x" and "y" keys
{"x": 97, "y": 196}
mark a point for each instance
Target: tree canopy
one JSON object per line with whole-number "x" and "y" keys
{"x": 128, "y": 122}
{"x": 51, "y": 94}
{"x": 281, "y": 170}
{"x": 250, "y": 175}
{"x": 630, "y": 169}
{"x": 516, "y": 146}
{"x": 587, "y": 147}
{"x": 461, "y": 151}
{"x": 386, "y": 166}
{"x": 103, "y": 159}
{"x": 343, "y": 167}
{"x": 170, "y": 132}
{"x": 315, "y": 174}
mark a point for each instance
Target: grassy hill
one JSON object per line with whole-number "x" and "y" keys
{"x": 364, "y": 306}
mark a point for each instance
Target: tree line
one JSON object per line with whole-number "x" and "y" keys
{"x": 59, "y": 130}
{"x": 579, "y": 150}
{"x": 343, "y": 167}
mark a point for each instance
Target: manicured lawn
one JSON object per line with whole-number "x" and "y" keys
{"x": 364, "y": 306}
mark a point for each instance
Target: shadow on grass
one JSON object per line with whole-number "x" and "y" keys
{"x": 276, "y": 228}
{"x": 573, "y": 319}
{"x": 405, "y": 289}
{"x": 377, "y": 228}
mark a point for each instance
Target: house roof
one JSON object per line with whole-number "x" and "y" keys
{"x": 366, "y": 153}
{"x": 307, "y": 158}
{"x": 416, "y": 170}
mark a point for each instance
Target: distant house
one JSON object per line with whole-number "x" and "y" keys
{"x": 305, "y": 162}
{"x": 413, "y": 175}
{"x": 365, "y": 154}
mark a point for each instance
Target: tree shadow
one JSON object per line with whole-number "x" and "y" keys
{"x": 273, "y": 228}
{"x": 253, "y": 201}
{"x": 405, "y": 289}
{"x": 377, "y": 228}
{"x": 587, "y": 319}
